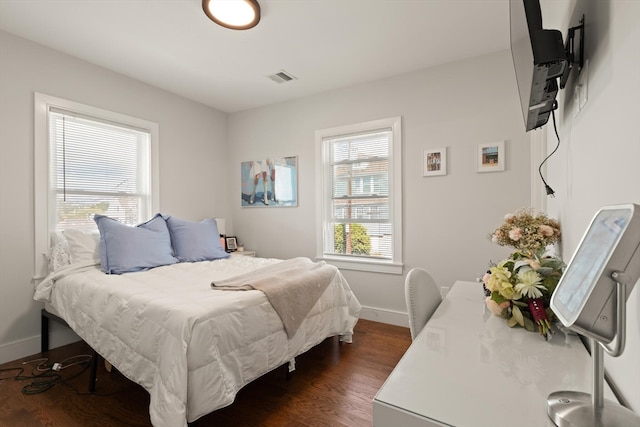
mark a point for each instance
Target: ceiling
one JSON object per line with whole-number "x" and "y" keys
{"x": 325, "y": 44}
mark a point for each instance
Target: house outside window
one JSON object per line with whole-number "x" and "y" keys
{"x": 359, "y": 190}
{"x": 90, "y": 161}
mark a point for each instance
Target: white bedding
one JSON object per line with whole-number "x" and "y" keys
{"x": 191, "y": 347}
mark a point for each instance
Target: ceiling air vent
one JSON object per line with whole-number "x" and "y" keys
{"x": 282, "y": 77}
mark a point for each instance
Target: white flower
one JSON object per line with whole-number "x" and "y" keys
{"x": 529, "y": 284}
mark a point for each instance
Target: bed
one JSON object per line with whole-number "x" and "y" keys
{"x": 191, "y": 346}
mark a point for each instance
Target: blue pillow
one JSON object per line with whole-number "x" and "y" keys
{"x": 126, "y": 249}
{"x": 195, "y": 241}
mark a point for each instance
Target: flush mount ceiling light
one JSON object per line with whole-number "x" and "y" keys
{"x": 234, "y": 14}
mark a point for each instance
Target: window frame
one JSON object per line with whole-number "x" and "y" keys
{"x": 42, "y": 194}
{"x": 323, "y": 196}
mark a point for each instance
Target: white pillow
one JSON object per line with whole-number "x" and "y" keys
{"x": 83, "y": 245}
{"x": 59, "y": 256}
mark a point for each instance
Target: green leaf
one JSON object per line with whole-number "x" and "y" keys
{"x": 550, "y": 283}
{"x": 550, "y": 315}
{"x": 517, "y": 314}
{"x": 529, "y": 325}
{"x": 544, "y": 271}
{"x": 497, "y": 297}
{"x": 508, "y": 264}
{"x": 553, "y": 263}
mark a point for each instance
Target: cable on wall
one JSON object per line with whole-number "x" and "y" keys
{"x": 547, "y": 188}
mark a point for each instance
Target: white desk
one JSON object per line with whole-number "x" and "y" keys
{"x": 468, "y": 368}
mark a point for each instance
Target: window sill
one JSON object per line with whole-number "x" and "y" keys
{"x": 363, "y": 265}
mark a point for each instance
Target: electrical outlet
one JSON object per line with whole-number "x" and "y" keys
{"x": 444, "y": 290}
{"x": 581, "y": 89}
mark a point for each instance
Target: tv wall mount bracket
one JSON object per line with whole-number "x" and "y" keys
{"x": 575, "y": 54}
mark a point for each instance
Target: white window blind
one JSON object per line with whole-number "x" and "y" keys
{"x": 88, "y": 160}
{"x": 359, "y": 171}
{"x": 361, "y": 195}
{"x": 97, "y": 167}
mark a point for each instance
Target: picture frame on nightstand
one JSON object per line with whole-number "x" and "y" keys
{"x": 231, "y": 243}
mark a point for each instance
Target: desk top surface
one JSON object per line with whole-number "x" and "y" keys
{"x": 467, "y": 365}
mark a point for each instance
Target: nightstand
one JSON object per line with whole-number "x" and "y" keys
{"x": 244, "y": 253}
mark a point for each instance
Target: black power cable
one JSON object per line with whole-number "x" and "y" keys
{"x": 547, "y": 188}
{"x": 45, "y": 375}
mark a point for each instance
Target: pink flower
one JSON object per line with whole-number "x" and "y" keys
{"x": 495, "y": 308}
{"x": 485, "y": 278}
{"x": 546, "y": 230}
{"x": 515, "y": 234}
{"x": 534, "y": 264}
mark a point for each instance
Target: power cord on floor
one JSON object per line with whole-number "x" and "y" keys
{"x": 45, "y": 375}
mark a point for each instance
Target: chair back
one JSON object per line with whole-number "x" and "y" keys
{"x": 422, "y": 296}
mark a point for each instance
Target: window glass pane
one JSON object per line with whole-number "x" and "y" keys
{"x": 78, "y": 209}
{"x": 372, "y": 240}
{"x": 97, "y": 167}
{"x": 359, "y": 171}
{"x": 361, "y": 209}
{"x": 361, "y": 179}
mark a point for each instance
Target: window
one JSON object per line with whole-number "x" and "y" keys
{"x": 360, "y": 196}
{"x": 90, "y": 161}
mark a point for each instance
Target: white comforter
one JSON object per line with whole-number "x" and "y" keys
{"x": 191, "y": 347}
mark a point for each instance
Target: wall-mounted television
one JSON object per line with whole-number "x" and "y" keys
{"x": 539, "y": 58}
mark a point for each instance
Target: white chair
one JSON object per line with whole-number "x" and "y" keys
{"x": 422, "y": 296}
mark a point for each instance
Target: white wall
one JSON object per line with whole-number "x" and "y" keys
{"x": 598, "y": 162}
{"x": 193, "y": 171}
{"x": 446, "y": 218}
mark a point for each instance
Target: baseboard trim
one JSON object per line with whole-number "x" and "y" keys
{"x": 19, "y": 349}
{"x": 58, "y": 336}
{"x": 392, "y": 317}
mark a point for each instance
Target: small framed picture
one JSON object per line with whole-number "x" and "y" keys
{"x": 491, "y": 157}
{"x": 434, "y": 162}
{"x": 232, "y": 243}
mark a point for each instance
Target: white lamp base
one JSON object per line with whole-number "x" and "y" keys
{"x": 576, "y": 409}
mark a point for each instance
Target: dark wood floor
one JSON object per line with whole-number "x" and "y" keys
{"x": 333, "y": 385}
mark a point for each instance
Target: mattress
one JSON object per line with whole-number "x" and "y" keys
{"x": 190, "y": 346}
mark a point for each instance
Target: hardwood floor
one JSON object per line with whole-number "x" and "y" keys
{"x": 333, "y": 385}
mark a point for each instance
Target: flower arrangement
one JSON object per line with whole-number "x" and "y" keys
{"x": 519, "y": 288}
{"x": 527, "y": 232}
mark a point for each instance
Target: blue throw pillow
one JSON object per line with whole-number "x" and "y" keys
{"x": 126, "y": 249}
{"x": 195, "y": 241}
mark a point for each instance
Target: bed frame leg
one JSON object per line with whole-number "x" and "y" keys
{"x": 44, "y": 332}
{"x": 93, "y": 371}
{"x": 44, "y": 345}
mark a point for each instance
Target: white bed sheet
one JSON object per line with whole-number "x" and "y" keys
{"x": 191, "y": 347}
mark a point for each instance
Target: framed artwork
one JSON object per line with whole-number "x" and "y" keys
{"x": 231, "y": 243}
{"x": 491, "y": 157}
{"x": 434, "y": 162}
{"x": 269, "y": 182}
